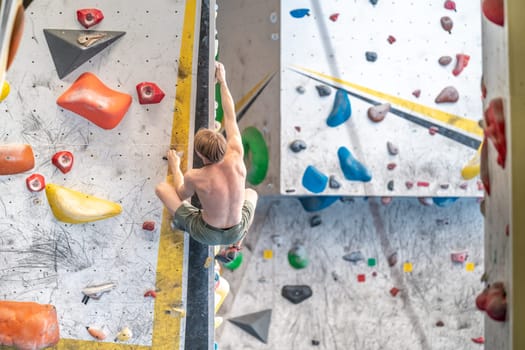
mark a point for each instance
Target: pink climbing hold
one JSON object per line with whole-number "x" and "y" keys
{"x": 461, "y": 63}
{"x": 386, "y": 200}
{"x": 448, "y": 94}
{"x": 416, "y": 93}
{"x": 409, "y": 184}
{"x": 391, "y": 166}
{"x": 450, "y": 5}
{"x": 423, "y": 184}
{"x": 459, "y": 256}
{"x": 334, "y": 17}
{"x": 447, "y": 24}
{"x": 433, "y": 130}
{"x": 391, "y": 39}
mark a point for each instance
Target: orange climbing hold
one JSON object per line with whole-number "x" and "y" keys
{"x": 16, "y": 158}
{"x": 28, "y": 325}
{"x": 91, "y": 99}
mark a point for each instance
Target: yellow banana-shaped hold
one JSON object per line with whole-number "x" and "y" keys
{"x": 125, "y": 334}
{"x": 471, "y": 169}
{"x": 5, "y": 90}
{"x": 75, "y": 207}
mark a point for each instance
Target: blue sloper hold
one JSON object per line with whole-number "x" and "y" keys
{"x": 352, "y": 169}
{"x": 444, "y": 201}
{"x": 314, "y": 180}
{"x": 300, "y": 13}
{"x": 316, "y": 203}
{"x": 341, "y": 111}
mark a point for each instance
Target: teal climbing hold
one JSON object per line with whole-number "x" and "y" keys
{"x": 300, "y": 13}
{"x": 444, "y": 201}
{"x": 341, "y": 111}
{"x": 297, "y": 257}
{"x": 351, "y": 167}
{"x": 316, "y": 203}
{"x": 314, "y": 180}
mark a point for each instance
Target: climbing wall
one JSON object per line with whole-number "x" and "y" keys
{"x": 343, "y": 61}
{"x": 381, "y": 277}
{"x": 307, "y": 129}
{"x": 496, "y": 170}
{"x": 47, "y": 261}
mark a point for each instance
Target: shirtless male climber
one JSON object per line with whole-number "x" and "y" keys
{"x": 227, "y": 206}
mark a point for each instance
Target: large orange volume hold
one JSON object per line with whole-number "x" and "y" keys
{"x": 28, "y": 325}
{"x": 16, "y": 158}
{"x": 90, "y": 98}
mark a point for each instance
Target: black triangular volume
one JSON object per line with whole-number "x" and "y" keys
{"x": 68, "y": 53}
{"x": 296, "y": 294}
{"x": 257, "y": 324}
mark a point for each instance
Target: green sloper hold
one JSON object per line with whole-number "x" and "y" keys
{"x": 235, "y": 263}
{"x": 297, "y": 257}
{"x": 341, "y": 111}
{"x": 256, "y": 155}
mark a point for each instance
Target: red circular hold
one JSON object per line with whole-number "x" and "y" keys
{"x": 494, "y": 11}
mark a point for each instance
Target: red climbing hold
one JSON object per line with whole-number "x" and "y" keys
{"x": 361, "y": 278}
{"x": 391, "y": 39}
{"x": 394, "y": 291}
{"x": 461, "y": 63}
{"x": 89, "y": 17}
{"x": 450, "y": 5}
{"x": 150, "y": 293}
{"x": 35, "y": 183}
{"x": 494, "y": 11}
{"x": 422, "y": 184}
{"x": 495, "y": 128}
{"x": 433, "y": 130}
{"x": 149, "y": 93}
{"x": 391, "y": 166}
{"x": 479, "y": 340}
{"x": 334, "y": 17}
{"x": 484, "y": 166}
{"x": 148, "y": 225}
{"x": 483, "y": 88}
{"x": 63, "y": 160}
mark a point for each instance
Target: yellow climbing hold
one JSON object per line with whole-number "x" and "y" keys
{"x": 5, "y": 91}
{"x": 471, "y": 169}
{"x": 75, "y": 207}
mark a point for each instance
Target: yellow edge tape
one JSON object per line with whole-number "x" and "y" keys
{"x": 465, "y": 124}
{"x": 166, "y": 326}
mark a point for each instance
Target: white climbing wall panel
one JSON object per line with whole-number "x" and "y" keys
{"x": 47, "y": 261}
{"x": 327, "y": 46}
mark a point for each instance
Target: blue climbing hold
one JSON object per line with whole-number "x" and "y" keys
{"x": 300, "y": 13}
{"x": 371, "y": 56}
{"x": 316, "y": 203}
{"x": 314, "y": 180}
{"x": 373, "y": 2}
{"x": 352, "y": 169}
{"x": 341, "y": 111}
{"x": 444, "y": 201}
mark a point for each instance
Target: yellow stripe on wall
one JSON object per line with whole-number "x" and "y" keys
{"x": 464, "y": 124}
{"x": 167, "y": 319}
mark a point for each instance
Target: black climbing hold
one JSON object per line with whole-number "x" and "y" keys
{"x": 315, "y": 221}
{"x": 315, "y": 342}
{"x": 333, "y": 183}
{"x": 297, "y": 146}
{"x": 300, "y": 89}
{"x": 390, "y": 185}
{"x": 374, "y": 2}
{"x": 323, "y": 90}
{"x": 371, "y": 56}
{"x": 68, "y": 53}
{"x": 256, "y": 324}
{"x": 296, "y": 294}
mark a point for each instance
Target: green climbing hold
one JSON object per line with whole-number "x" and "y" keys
{"x": 371, "y": 262}
{"x": 256, "y": 155}
{"x": 235, "y": 263}
{"x": 297, "y": 257}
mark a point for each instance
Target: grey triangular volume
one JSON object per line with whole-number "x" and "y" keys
{"x": 71, "y": 48}
{"x": 257, "y": 324}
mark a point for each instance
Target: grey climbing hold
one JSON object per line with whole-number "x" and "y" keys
{"x": 300, "y": 89}
{"x": 448, "y": 94}
{"x": 71, "y": 48}
{"x": 378, "y": 113}
{"x": 447, "y": 24}
{"x": 392, "y": 259}
{"x": 371, "y": 56}
{"x": 297, "y": 146}
{"x": 445, "y": 60}
{"x": 354, "y": 257}
{"x": 392, "y": 149}
{"x": 323, "y": 90}
{"x": 374, "y": 2}
{"x": 333, "y": 183}
{"x": 257, "y": 324}
{"x": 297, "y": 293}
{"x": 315, "y": 221}
{"x": 390, "y": 185}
